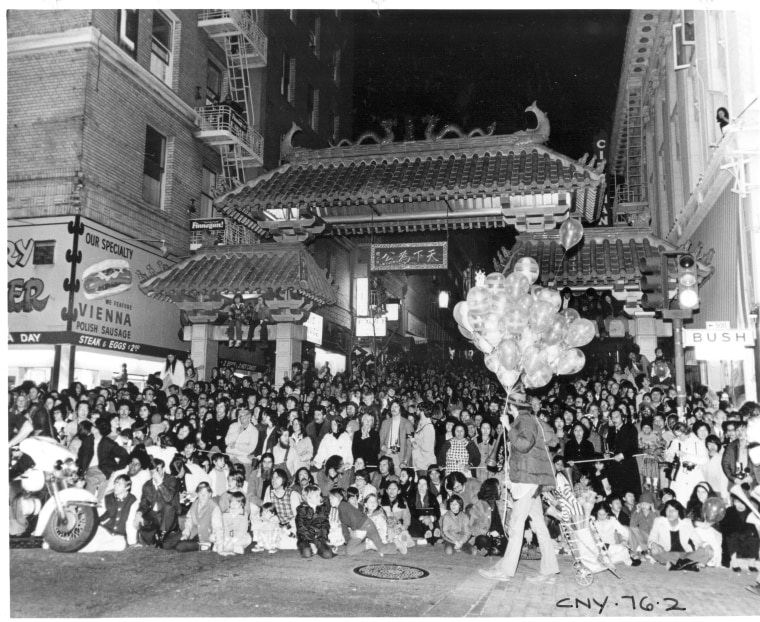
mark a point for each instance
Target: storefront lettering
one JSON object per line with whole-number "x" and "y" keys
{"x": 102, "y": 314}
{"x": 25, "y": 338}
{"x": 20, "y": 252}
{"x": 24, "y": 295}
{"x": 108, "y": 245}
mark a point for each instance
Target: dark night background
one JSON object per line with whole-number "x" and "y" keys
{"x": 474, "y": 68}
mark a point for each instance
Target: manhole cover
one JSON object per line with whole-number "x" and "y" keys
{"x": 391, "y": 572}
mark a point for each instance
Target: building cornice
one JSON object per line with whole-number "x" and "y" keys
{"x": 92, "y": 38}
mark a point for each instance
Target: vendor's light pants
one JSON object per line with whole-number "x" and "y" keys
{"x": 528, "y": 506}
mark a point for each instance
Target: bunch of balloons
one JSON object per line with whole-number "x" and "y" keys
{"x": 520, "y": 328}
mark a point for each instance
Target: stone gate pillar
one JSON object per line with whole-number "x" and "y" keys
{"x": 204, "y": 349}
{"x": 289, "y": 340}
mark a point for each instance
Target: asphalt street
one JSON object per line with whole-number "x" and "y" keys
{"x": 152, "y": 583}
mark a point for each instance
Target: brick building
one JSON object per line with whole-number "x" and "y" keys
{"x": 119, "y": 137}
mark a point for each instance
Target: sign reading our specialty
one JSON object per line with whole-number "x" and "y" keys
{"x": 409, "y": 256}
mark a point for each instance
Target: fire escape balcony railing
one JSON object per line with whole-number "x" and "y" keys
{"x": 221, "y": 125}
{"x": 221, "y": 23}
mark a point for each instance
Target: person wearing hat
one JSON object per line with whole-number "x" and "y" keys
{"x": 641, "y": 521}
{"x": 530, "y": 468}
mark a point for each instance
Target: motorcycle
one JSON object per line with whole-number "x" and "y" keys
{"x": 68, "y": 518}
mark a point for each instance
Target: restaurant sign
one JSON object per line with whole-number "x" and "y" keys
{"x": 409, "y": 256}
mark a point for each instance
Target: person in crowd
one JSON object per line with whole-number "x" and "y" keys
{"x": 622, "y": 447}
{"x": 318, "y": 427}
{"x": 313, "y": 525}
{"x": 335, "y": 474}
{"x": 336, "y": 443}
{"x": 459, "y": 454}
{"x": 741, "y": 536}
{"x": 385, "y": 472}
{"x": 157, "y": 514}
{"x": 203, "y": 528}
{"x": 266, "y": 529}
{"x": 302, "y": 446}
{"x": 357, "y": 527}
{"x": 455, "y": 528}
{"x": 674, "y": 542}
{"x": 235, "y": 526}
{"x": 486, "y": 520}
{"x": 396, "y": 433}
{"x": 692, "y": 456}
{"x": 735, "y": 462}
{"x": 173, "y": 373}
{"x": 641, "y": 523}
{"x": 465, "y": 487}
{"x": 614, "y": 536}
{"x": 425, "y": 513}
{"x": 579, "y": 449}
{"x": 116, "y": 528}
{"x": 399, "y": 517}
{"x": 530, "y": 467}
{"x": 241, "y": 440}
{"x": 260, "y": 479}
{"x": 302, "y": 479}
{"x": 423, "y": 441}
{"x": 99, "y": 456}
{"x": 438, "y": 484}
{"x": 285, "y": 502}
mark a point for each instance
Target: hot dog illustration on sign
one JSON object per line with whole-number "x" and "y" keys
{"x": 107, "y": 278}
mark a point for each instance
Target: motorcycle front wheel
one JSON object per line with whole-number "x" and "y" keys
{"x": 73, "y": 530}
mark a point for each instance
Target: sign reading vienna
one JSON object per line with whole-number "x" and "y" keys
{"x": 410, "y": 256}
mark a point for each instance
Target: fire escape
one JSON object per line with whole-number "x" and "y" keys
{"x": 229, "y": 129}
{"x": 630, "y": 196}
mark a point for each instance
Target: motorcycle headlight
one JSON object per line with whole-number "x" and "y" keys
{"x": 33, "y": 480}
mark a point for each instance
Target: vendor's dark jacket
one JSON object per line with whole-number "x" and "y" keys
{"x": 312, "y": 526}
{"x": 728, "y": 462}
{"x": 529, "y": 461}
{"x": 111, "y": 455}
{"x": 166, "y": 495}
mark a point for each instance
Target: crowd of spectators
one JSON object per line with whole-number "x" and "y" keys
{"x": 386, "y": 460}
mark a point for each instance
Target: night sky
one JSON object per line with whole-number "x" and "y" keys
{"x": 476, "y": 67}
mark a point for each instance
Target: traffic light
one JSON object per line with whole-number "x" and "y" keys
{"x": 687, "y": 282}
{"x": 653, "y": 282}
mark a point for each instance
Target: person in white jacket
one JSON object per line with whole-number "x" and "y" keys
{"x": 671, "y": 538}
{"x": 692, "y": 455}
{"x": 336, "y": 443}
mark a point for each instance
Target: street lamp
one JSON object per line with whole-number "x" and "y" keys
{"x": 163, "y": 249}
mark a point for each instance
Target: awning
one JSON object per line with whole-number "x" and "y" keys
{"x": 217, "y": 271}
{"x": 422, "y": 185}
{"x": 606, "y": 257}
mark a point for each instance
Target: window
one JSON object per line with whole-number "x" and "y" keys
{"x": 127, "y": 28}
{"x": 43, "y": 252}
{"x": 153, "y": 167}
{"x": 314, "y": 33}
{"x": 334, "y": 125}
{"x": 312, "y": 106}
{"x": 336, "y": 66}
{"x": 161, "y": 47}
{"x": 213, "y": 84}
{"x": 208, "y": 187}
{"x": 288, "y": 79}
{"x": 683, "y": 48}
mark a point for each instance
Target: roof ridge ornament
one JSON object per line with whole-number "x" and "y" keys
{"x": 286, "y": 143}
{"x": 387, "y": 125}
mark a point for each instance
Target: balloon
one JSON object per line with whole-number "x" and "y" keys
{"x": 509, "y": 354}
{"x": 528, "y": 337}
{"x": 492, "y": 362}
{"x": 460, "y": 310}
{"x": 475, "y": 322}
{"x": 557, "y": 331}
{"x": 495, "y": 282}
{"x": 542, "y": 316}
{"x": 516, "y": 286}
{"x": 571, "y": 361}
{"x": 570, "y": 315}
{"x": 481, "y": 344}
{"x": 508, "y": 377}
{"x": 525, "y": 302}
{"x": 538, "y": 378}
{"x": 570, "y": 233}
{"x": 714, "y": 509}
{"x": 478, "y": 300}
{"x": 515, "y": 319}
{"x": 528, "y": 267}
{"x": 533, "y": 358}
{"x": 499, "y": 302}
{"x": 580, "y": 332}
{"x": 552, "y": 296}
{"x": 465, "y": 333}
{"x": 494, "y": 337}
{"x": 552, "y": 356}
